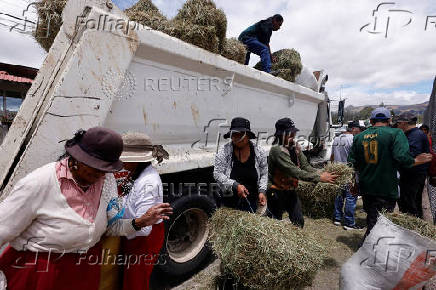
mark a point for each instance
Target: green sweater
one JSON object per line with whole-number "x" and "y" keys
{"x": 279, "y": 158}
{"x": 376, "y": 154}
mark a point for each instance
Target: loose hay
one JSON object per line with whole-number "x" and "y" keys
{"x": 318, "y": 201}
{"x": 412, "y": 223}
{"x": 263, "y": 253}
{"x": 201, "y": 36}
{"x": 49, "y": 21}
{"x": 146, "y": 13}
{"x": 344, "y": 172}
{"x": 234, "y": 50}
{"x": 204, "y": 13}
{"x": 288, "y": 64}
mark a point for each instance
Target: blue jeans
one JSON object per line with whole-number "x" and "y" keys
{"x": 350, "y": 206}
{"x": 257, "y": 47}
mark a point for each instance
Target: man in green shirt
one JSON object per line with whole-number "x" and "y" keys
{"x": 286, "y": 165}
{"x": 377, "y": 154}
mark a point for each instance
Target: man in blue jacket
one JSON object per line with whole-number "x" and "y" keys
{"x": 257, "y": 37}
{"x": 412, "y": 180}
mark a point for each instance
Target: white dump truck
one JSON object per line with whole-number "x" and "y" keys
{"x": 104, "y": 70}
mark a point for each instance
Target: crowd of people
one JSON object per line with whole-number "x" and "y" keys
{"x": 104, "y": 194}
{"x": 388, "y": 149}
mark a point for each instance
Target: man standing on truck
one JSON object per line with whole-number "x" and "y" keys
{"x": 286, "y": 165}
{"x": 376, "y": 154}
{"x": 412, "y": 180}
{"x": 257, "y": 37}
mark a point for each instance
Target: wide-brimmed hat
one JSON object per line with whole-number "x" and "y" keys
{"x": 98, "y": 147}
{"x": 285, "y": 126}
{"x": 239, "y": 125}
{"x": 138, "y": 147}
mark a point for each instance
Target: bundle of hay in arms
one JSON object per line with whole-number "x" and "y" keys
{"x": 288, "y": 64}
{"x": 318, "y": 200}
{"x": 412, "y": 223}
{"x": 263, "y": 253}
{"x": 146, "y": 13}
{"x": 234, "y": 50}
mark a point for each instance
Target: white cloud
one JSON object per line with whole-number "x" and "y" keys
{"x": 326, "y": 33}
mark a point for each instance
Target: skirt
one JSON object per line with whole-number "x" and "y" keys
{"x": 45, "y": 271}
{"x": 141, "y": 253}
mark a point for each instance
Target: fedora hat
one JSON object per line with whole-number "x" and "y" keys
{"x": 138, "y": 147}
{"x": 240, "y": 125}
{"x": 98, "y": 147}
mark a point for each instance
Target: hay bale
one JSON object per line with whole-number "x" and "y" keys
{"x": 288, "y": 64}
{"x": 263, "y": 253}
{"x": 412, "y": 223}
{"x": 205, "y": 13}
{"x": 201, "y": 36}
{"x": 50, "y": 21}
{"x": 234, "y": 50}
{"x": 318, "y": 200}
{"x": 345, "y": 173}
{"x": 146, "y": 13}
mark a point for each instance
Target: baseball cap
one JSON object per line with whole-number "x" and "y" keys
{"x": 407, "y": 117}
{"x": 380, "y": 113}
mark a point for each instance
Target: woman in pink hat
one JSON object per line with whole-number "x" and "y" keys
{"x": 55, "y": 216}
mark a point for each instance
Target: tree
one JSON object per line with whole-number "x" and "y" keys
{"x": 365, "y": 113}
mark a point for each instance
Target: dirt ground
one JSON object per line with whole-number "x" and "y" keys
{"x": 342, "y": 245}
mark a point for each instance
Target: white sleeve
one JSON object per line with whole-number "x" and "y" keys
{"x": 19, "y": 209}
{"x": 146, "y": 198}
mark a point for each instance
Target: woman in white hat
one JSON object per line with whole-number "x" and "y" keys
{"x": 142, "y": 188}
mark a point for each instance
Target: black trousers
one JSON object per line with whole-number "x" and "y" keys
{"x": 372, "y": 206}
{"x": 411, "y": 187}
{"x": 287, "y": 200}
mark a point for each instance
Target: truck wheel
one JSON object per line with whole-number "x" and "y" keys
{"x": 186, "y": 247}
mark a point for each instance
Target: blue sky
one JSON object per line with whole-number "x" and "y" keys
{"x": 363, "y": 66}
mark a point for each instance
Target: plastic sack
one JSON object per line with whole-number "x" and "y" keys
{"x": 390, "y": 258}
{"x": 3, "y": 282}
{"x": 307, "y": 79}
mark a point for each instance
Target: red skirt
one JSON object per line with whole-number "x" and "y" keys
{"x": 142, "y": 253}
{"x": 45, "y": 271}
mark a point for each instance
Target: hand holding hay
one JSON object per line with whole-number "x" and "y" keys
{"x": 318, "y": 200}
{"x": 287, "y": 64}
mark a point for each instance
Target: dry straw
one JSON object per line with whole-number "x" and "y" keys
{"x": 204, "y": 13}
{"x": 201, "y": 36}
{"x": 288, "y": 64}
{"x": 263, "y": 253}
{"x": 146, "y": 13}
{"x": 412, "y": 223}
{"x": 318, "y": 200}
{"x": 49, "y": 21}
{"x": 234, "y": 50}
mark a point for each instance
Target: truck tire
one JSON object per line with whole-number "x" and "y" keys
{"x": 185, "y": 247}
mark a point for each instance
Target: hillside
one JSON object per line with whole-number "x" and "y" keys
{"x": 398, "y": 109}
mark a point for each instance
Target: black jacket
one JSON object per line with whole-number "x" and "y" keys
{"x": 418, "y": 143}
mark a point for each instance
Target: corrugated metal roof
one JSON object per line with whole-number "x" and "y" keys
{"x": 7, "y": 77}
